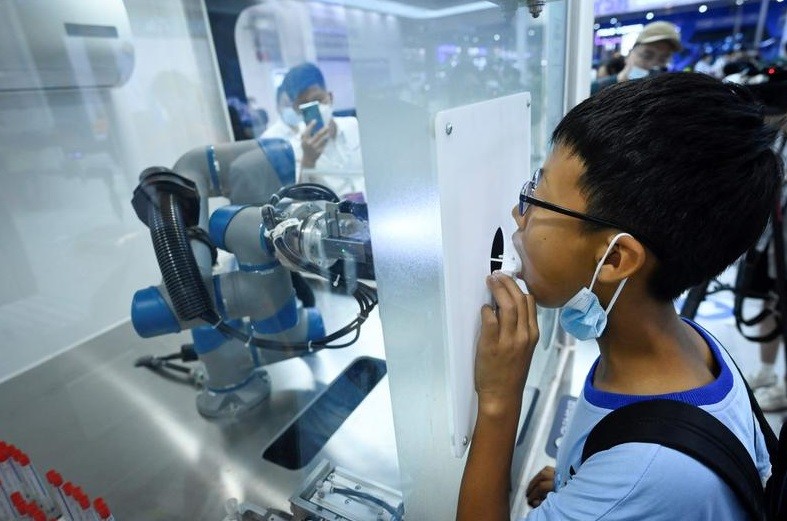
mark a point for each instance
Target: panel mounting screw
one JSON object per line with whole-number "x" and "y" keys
{"x": 465, "y": 441}
{"x": 528, "y": 104}
{"x": 448, "y": 129}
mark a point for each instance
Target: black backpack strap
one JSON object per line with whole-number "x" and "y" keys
{"x": 687, "y": 429}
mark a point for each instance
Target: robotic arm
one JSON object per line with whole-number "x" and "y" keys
{"x": 233, "y": 313}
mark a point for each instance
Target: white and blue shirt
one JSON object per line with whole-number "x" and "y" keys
{"x": 646, "y": 480}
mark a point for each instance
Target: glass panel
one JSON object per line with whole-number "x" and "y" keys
{"x": 408, "y": 66}
{"x": 80, "y": 116}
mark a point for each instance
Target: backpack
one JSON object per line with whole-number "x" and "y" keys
{"x": 697, "y": 433}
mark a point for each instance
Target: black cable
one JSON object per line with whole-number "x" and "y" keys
{"x": 395, "y": 515}
{"x": 154, "y": 362}
{"x": 305, "y": 192}
{"x": 186, "y": 354}
{"x": 175, "y": 372}
{"x": 197, "y": 233}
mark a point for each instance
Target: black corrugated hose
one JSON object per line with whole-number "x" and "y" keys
{"x": 181, "y": 274}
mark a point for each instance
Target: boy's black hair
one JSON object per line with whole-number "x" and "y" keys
{"x": 682, "y": 159}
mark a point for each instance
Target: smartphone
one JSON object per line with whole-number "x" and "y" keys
{"x": 308, "y": 433}
{"x": 311, "y": 112}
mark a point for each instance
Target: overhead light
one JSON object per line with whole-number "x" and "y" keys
{"x": 703, "y": 8}
{"x": 649, "y": 15}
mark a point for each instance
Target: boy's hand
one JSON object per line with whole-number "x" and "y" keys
{"x": 313, "y": 145}
{"x": 505, "y": 347}
{"x": 542, "y": 484}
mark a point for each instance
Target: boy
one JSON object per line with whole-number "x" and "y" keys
{"x": 657, "y": 185}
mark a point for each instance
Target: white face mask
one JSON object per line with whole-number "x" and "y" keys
{"x": 583, "y": 316}
{"x": 290, "y": 117}
{"x": 326, "y": 112}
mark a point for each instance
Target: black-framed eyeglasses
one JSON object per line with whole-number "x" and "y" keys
{"x": 526, "y": 199}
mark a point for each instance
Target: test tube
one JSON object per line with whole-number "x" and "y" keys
{"x": 56, "y": 483}
{"x": 6, "y": 507}
{"x": 20, "y": 505}
{"x": 84, "y": 504}
{"x": 33, "y": 482}
{"x": 73, "y": 506}
{"x": 8, "y": 474}
{"x": 102, "y": 510}
{"x": 14, "y": 454}
{"x": 35, "y": 513}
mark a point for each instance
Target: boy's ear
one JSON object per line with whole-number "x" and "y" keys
{"x": 625, "y": 260}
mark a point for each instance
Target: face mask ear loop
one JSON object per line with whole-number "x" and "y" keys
{"x": 598, "y": 270}
{"x": 615, "y": 296}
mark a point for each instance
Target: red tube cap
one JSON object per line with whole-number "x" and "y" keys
{"x": 54, "y": 477}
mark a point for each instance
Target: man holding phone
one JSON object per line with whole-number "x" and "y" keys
{"x": 326, "y": 143}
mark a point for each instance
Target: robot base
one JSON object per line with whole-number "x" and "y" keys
{"x": 236, "y": 400}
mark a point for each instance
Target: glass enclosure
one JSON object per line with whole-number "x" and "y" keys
{"x": 407, "y": 68}
{"x": 101, "y": 89}
{"x": 82, "y": 114}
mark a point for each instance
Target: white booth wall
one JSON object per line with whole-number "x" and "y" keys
{"x": 73, "y": 251}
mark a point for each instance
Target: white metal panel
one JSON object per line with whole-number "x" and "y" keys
{"x": 483, "y": 156}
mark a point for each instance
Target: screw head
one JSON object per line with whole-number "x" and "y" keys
{"x": 465, "y": 441}
{"x": 448, "y": 129}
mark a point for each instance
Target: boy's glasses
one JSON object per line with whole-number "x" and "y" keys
{"x": 526, "y": 199}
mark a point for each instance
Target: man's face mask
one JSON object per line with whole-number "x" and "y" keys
{"x": 638, "y": 72}
{"x": 290, "y": 117}
{"x": 582, "y": 316}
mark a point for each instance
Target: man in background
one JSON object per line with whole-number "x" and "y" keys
{"x": 651, "y": 53}
{"x": 332, "y": 154}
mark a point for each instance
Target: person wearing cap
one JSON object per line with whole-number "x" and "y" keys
{"x": 333, "y": 148}
{"x": 653, "y": 49}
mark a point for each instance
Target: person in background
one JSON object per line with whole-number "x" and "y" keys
{"x": 705, "y": 64}
{"x": 334, "y": 147}
{"x": 612, "y": 67}
{"x": 651, "y": 53}
{"x": 288, "y": 125}
{"x": 741, "y": 66}
{"x": 770, "y": 392}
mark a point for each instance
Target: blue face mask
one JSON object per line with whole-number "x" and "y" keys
{"x": 638, "y": 72}
{"x": 582, "y": 316}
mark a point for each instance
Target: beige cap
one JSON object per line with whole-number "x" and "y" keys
{"x": 660, "y": 32}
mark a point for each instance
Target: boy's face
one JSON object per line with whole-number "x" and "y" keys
{"x": 557, "y": 252}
